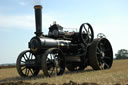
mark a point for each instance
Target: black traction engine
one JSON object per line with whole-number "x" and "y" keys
{"x": 62, "y": 49}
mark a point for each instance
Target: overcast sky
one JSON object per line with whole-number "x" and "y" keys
{"x": 17, "y": 25}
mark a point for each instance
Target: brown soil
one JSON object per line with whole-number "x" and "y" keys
{"x": 27, "y": 83}
{"x": 70, "y": 83}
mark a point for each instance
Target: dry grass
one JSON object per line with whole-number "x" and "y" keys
{"x": 117, "y": 74}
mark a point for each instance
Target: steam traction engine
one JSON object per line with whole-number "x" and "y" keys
{"x": 61, "y": 49}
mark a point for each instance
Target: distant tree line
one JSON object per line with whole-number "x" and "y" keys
{"x": 122, "y": 54}
{"x": 7, "y": 65}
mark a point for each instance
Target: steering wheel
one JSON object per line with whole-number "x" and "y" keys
{"x": 101, "y": 35}
{"x": 86, "y": 34}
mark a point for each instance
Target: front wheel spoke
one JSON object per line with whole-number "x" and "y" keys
{"x": 23, "y": 61}
{"x": 23, "y": 68}
{"x": 29, "y": 55}
{"x": 28, "y": 72}
{"x": 22, "y": 65}
{"x": 31, "y": 71}
{"x": 26, "y": 57}
{"x": 25, "y": 71}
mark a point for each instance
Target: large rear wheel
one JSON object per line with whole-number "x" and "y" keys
{"x": 100, "y": 54}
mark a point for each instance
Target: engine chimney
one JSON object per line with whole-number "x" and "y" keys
{"x": 38, "y": 19}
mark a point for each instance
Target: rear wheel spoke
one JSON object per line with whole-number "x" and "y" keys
{"x": 107, "y": 50}
{"x": 105, "y": 64}
{"x": 31, "y": 71}
{"x": 108, "y": 58}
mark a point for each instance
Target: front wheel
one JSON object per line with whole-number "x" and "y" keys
{"x": 53, "y": 62}
{"x": 26, "y": 64}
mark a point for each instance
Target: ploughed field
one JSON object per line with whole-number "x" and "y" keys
{"x": 117, "y": 75}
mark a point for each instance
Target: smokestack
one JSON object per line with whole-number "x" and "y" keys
{"x": 38, "y": 19}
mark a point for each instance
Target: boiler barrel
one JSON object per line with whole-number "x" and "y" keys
{"x": 37, "y": 43}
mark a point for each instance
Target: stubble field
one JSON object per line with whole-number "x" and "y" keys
{"x": 117, "y": 75}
